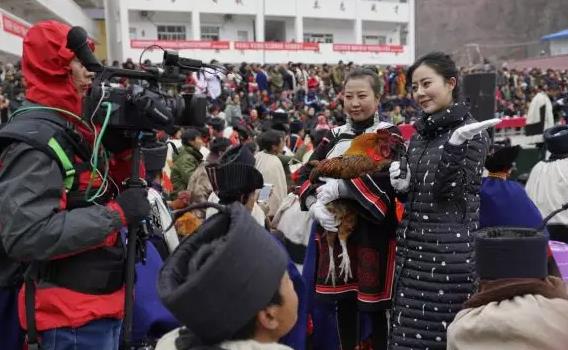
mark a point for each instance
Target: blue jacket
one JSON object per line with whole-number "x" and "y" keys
{"x": 262, "y": 81}
{"x": 151, "y": 319}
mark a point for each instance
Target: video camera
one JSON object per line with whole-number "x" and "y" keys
{"x": 143, "y": 105}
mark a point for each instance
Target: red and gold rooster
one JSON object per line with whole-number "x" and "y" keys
{"x": 368, "y": 153}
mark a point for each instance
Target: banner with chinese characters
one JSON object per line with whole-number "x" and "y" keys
{"x": 367, "y": 48}
{"x": 13, "y": 26}
{"x": 181, "y": 45}
{"x": 275, "y": 46}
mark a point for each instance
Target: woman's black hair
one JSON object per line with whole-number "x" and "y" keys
{"x": 268, "y": 139}
{"x": 370, "y": 75}
{"x": 248, "y": 330}
{"x": 442, "y": 64}
{"x": 228, "y": 198}
{"x": 189, "y": 135}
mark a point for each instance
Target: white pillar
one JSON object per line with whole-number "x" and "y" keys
{"x": 110, "y": 33}
{"x": 299, "y": 28}
{"x": 124, "y": 31}
{"x": 260, "y": 25}
{"x": 195, "y": 25}
{"x": 411, "y": 36}
{"x": 358, "y": 29}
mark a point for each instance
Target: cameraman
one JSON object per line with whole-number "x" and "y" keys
{"x": 54, "y": 218}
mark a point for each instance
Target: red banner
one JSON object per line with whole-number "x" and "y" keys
{"x": 181, "y": 45}
{"x": 14, "y": 26}
{"x": 275, "y": 46}
{"x": 368, "y": 48}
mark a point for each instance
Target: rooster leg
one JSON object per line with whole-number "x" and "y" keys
{"x": 345, "y": 264}
{"x": 330, "y": 237}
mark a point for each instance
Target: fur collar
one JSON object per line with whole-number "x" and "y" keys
{"x": 508, "y": 288}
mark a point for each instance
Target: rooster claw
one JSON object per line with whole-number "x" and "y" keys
{"x": 331, "y": 270}
{"x": 345, "y": 264}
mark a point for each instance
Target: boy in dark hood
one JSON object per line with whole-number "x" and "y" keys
{"x": 58, "y": 213}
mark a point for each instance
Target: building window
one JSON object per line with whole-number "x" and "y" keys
{"x": 132, "y": 33}
{"x": 242, "y": 35}
{"x": 171, "y": 32}
{"x": 374, "y": 39}
{"x": 210, "y": 33}
{"x": 404, "y": 35}
{"x": 318, "y": 38}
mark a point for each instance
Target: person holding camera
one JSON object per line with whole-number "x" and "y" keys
{"x": 61, "y": 211}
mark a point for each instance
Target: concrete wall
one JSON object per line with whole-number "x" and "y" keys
{"x": 559, "y": 47}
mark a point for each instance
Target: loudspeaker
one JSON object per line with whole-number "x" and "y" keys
{"x": 479, "y": 91}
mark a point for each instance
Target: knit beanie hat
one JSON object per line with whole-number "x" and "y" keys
{"x": 508, "y": 252}
{"x": 235, "y": 173}
{"x": 219, "y": 278}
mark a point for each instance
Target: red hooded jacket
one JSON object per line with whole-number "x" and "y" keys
{"x": 49, "y": 82}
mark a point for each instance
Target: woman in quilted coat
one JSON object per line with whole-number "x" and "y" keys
{"x": 435, "y": 267}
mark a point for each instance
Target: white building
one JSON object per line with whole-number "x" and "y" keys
{"x": 16, "y": 16}
{"x": 271, "y": 31}
{"x": 558, "y": 42}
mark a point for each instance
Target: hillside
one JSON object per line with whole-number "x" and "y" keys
{"x": 496, "y": 25}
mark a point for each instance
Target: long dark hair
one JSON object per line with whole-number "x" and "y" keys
{"x": 442, "y": 64}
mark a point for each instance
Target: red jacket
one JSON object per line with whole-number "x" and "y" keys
{"x": 58, "y": 232}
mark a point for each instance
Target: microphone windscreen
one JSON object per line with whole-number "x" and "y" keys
{"x": 76, "y": 38}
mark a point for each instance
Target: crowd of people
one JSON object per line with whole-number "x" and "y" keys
{"x": 310, "y": 90}
{"x": 295, "y": 217}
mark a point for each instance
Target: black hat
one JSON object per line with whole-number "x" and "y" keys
{"x": 281, "y": 127}
{"x": 501, "y": 158}
{"x": 155, "y": 156}
{"x": 219, "y": 278}
{"x": 556, "y": 139}
{"x": 508, "y": 252}
{"x": 280, "y": 116}
{"x": 235, "y": 173}
{"x": 296, "y": 126}
{"x": 217, "y": 124}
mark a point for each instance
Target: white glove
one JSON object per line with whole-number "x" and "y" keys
{"x": 400, "y": 185}
{"x": 326, "y": 219}
{"x": 329, "y": 191}
{"x": 467, "y": 132}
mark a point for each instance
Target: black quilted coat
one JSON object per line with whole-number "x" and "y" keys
{"x": 435, "y": 267}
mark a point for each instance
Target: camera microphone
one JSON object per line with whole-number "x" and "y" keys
{"x": 172, "y": 58}
{"x": 77, "y": 41}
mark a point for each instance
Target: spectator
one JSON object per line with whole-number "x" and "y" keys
{"x": 230, "y": 254}
{"x": 271, "y": 144}
{"x": 233, "y": 108}
{"x": 261, "y": 78}
{"x": 518, "y": 304}
{"x": 547, "y": 185}
{"x": 185, "y": 163}
{"x": 218, "y": 146}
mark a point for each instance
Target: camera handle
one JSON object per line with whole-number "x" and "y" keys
{"x": 136, "y": 241}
